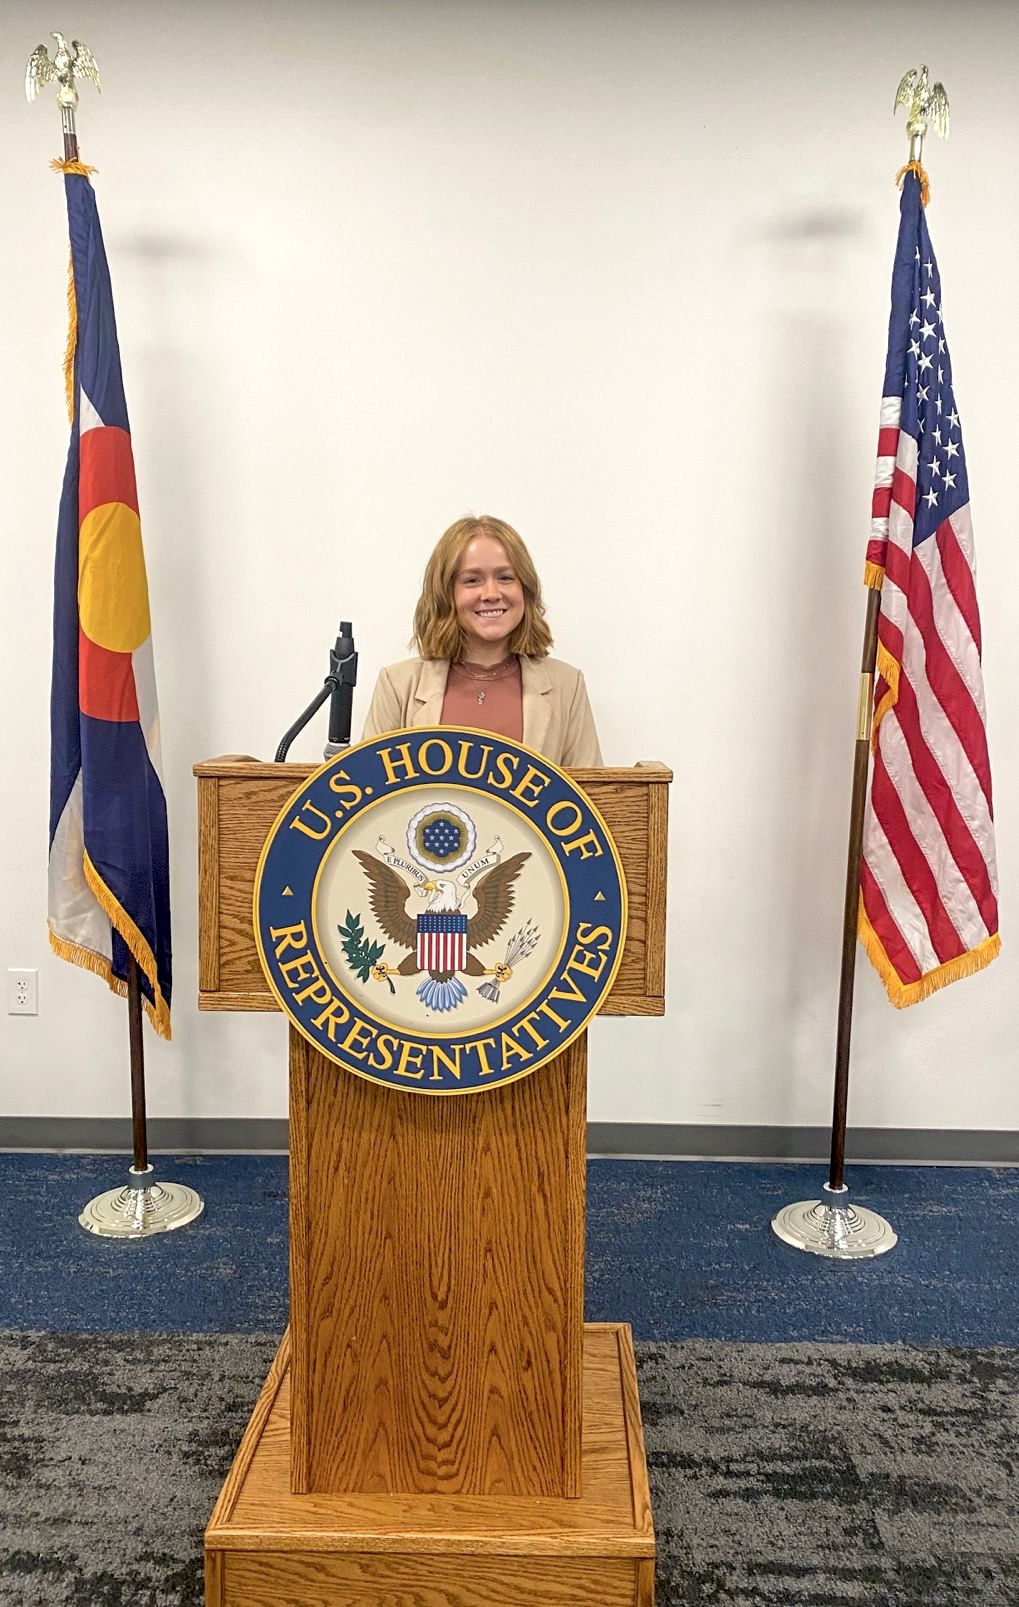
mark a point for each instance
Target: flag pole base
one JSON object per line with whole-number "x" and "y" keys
{"x": 833, "y": 1227}
{"x": 142, "y": 1207}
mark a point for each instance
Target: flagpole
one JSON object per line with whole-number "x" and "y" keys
{"x": 850, "y": 914}
{"x": 142, "y": 1206}
{"x": 139, "y": 1135}
{"x": 70, "y": 131}
{"x": 833, "y": 1226}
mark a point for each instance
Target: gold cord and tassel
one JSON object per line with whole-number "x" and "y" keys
{"x": 921, "y": 173}
{"x": 81, "y": 168}
{"x": 72, "y": 341}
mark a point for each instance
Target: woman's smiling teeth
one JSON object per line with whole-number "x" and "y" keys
{"x": 488, "y": 598}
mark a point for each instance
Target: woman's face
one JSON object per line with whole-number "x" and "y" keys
{"x": 487, "y": 596}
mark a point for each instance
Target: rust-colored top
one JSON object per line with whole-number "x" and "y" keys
{"x": 490, "y": 699}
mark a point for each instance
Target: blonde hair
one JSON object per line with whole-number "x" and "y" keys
{"x": 437, "y": 631}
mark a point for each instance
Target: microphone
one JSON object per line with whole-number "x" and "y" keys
{"x": 343, "y": 679}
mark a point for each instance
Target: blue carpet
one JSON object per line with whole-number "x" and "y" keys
{"x": 681, "y": 1250}
{"x": 684, "y": 1250}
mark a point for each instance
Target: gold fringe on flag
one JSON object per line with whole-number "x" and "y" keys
{"x": 921, "y": 173}
{"x": 81, "y": 168}
{"x": 873, "y": 576}
{"x": 99, "y": 965}
{"x": 903, "y": 994}
{"x": 888, "y": 670}
{"x": 159, "y": 1013}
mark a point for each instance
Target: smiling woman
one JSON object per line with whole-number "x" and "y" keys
{"x": 481, "y": 631}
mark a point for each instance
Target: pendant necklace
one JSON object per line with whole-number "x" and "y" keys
{"x": 500, "y": 673}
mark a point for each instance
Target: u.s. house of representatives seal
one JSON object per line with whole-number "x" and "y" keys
{"x": 440, "y": 910}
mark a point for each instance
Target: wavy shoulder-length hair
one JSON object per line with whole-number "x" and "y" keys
{"x": 437, "y": 631}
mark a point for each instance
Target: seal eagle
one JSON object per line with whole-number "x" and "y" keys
{"x": 493, "y": 893}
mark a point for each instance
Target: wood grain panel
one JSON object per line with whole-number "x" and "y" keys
{"x": 631, "y": 1004}
{"x": 634, "y": 1433}
{"x": 655, "y": 889}
{"x": 645, "y": 1585}
{"x": 222, "y": 1512}
{"x": 249, "y": 795}
{"x": 253, "y": 1002}
{"x": 299, "y": 1580}
{"x": 437, "y": 1283}
{"x": 214, "y": 1562}
{"x": 625, "y": 810}
{"x": 263, "y": 1514}
{"x": 208, "y": 881}
{"x": 301, "y": 1208}
{"x": 247, "y": 811}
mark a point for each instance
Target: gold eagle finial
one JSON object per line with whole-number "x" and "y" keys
{"x": 927, "y": 103}
{"x": 68, "y": 62}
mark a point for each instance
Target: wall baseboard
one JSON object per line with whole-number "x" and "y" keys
{"x": 661, "y": 1141}
{"x": 945, "y": 1146}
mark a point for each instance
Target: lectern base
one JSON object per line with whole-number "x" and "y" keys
{"x": 266, "y": 1546}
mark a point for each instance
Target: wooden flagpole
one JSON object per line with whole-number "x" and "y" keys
{"x": 832, "y": 1226}
{"x": 851, "y": 907}
{"x": 142, "y": 1206}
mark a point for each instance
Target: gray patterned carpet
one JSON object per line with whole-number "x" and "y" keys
{"x": 782, "y": 1475}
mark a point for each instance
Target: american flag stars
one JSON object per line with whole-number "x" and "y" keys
{"x": 935, "y": 428}
{"x": 928, "y": 878}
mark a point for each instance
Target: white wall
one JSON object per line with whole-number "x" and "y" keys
{"x": 616, "y": 272}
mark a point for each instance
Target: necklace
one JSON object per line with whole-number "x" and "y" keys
{"x": 500, "y": 673}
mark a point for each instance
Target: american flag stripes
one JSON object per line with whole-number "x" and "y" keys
{"x": 442, "y": 942}
{"x": 928, "y": 904}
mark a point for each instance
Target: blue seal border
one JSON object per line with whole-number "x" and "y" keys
{"x": 307, "y": 828}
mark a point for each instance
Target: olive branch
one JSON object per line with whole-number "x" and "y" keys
{"x": 361, "y": 955}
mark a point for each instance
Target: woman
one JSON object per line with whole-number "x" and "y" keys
{"x": 480, "y": 629}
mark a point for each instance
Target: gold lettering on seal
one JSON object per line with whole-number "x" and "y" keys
{"x": 297, "y": 824}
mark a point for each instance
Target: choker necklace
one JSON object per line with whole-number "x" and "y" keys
{"x": 500, "y": 673}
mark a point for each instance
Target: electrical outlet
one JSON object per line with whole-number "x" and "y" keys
{"x": 22, "y": 993}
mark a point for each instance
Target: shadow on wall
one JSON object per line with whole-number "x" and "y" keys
{"x": 816, "y": 223}
{"x": 814, "y": 685}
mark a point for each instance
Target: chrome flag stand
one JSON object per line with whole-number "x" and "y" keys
{"x": 141, "y": 1206}
{"x": 833, "y": 1226}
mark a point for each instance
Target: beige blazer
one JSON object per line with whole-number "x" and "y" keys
{"x": 557, "y": 715}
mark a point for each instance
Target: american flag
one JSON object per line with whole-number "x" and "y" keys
{"x": 928, "y": 906}
{"x": 442, "y": 942}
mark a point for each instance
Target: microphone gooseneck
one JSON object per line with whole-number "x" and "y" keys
{"x": 338, "y": 687}
{"x": 343, "y": 674}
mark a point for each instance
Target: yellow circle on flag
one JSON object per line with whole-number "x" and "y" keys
{"x": 113, "y": 595}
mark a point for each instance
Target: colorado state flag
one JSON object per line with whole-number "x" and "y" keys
{"x": 109, "y": 890}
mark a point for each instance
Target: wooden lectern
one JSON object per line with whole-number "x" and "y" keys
{"x": 438, "y": 1428}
